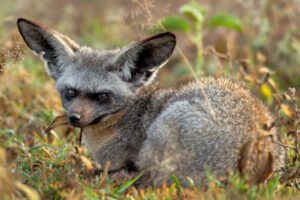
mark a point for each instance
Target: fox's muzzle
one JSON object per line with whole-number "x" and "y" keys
{"x": 74, "y": 119}
{"x": 78, "y": 120}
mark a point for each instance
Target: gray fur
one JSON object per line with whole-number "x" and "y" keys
{"x": 144, "y": 129}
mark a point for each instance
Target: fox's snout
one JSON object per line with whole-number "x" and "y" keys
{"x": 80, "y": 119}
{"x": 74, "y": 119}
{"x": 77, "y": 120}
{"x": 81, "y": 113}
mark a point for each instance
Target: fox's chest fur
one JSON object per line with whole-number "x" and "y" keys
{"x": 98, "y": 135}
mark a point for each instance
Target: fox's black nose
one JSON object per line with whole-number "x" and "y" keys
{"x": 74, "y": 118}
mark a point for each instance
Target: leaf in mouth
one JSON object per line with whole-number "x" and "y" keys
{"x": 57, "y": 122}
{"x": 60, "y": 121}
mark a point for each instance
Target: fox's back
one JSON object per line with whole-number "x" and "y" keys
{"x": 224, "y": 104}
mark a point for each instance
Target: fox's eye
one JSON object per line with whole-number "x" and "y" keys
{"x": 102, "y": 97}
{"x": 70, "y": 93}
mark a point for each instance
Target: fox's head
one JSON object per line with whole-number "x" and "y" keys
{"x": 96, "y": 83}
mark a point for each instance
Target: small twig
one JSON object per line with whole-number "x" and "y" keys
{"x": 80, "y": 137}
{"x": 104, "y": 172}
{"x": 297, "y": 142}
{"x": 284, "y": 145}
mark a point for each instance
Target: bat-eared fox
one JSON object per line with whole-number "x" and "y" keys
{"x": 142, "y": 129}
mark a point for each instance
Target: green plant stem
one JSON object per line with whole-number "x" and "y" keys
{"x": 199, "y": 45}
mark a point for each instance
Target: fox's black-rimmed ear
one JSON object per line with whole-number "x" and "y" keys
{"x": 140, "y": 61}
{"x": 54, "y": 48}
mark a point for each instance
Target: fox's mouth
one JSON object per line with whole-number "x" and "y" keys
{"x": 96, "y": 120}
{"x": 83, "y": 124}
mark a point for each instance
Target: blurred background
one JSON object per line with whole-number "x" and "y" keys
{"x": 265, "y": 31}
{"x": 253, "y": 41}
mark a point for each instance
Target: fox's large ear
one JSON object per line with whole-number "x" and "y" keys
{"x": 55, "y": 49}
{"x": 140, "y": 61}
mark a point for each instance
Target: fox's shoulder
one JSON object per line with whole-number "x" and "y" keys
{"x": 212, "y": 88}
{"x": 220, "y": 91}
{"x": 216, "y": 83}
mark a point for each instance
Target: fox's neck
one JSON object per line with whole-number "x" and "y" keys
{"x": 98, "y": 135}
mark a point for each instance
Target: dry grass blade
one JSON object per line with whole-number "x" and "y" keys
{"x": 104, "y": 172}
{"x": 30, "y": 193}
{"x": 265, "y": 169}
{"x": 88, "y": 166}
{"x": 244, "y": 157}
